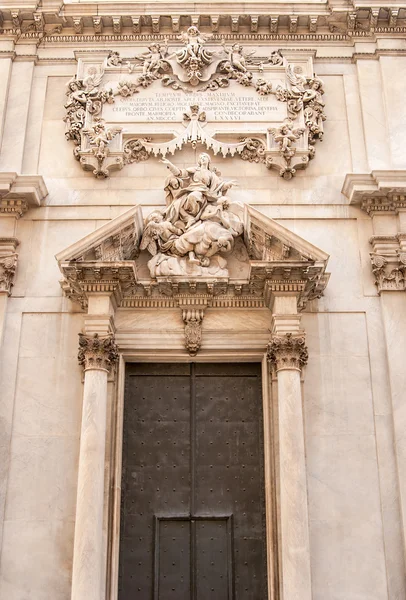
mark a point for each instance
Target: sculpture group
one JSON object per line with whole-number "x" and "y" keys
{"x": 198, "y": 226}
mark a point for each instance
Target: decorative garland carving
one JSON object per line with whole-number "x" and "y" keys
{"x": 287, "y": 352}
{"x": 195, "y": 68}
{"x": 97, "y": 352}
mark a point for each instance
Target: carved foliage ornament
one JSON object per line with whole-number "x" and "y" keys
{"x": 97, "y": 352}
{"x": 193, "y": 318}
{"x": 8, "y": 265}
{"x": 287, "y": 352}
{"x": 195, "y": 68}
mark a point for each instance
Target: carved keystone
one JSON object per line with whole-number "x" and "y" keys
{"x": 193, "y": 319}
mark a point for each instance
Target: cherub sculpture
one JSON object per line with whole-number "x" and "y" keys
{"x": 156, "y": 231}
{"x": 194, "y": 41}
{"x": 153, "y": 57}
{"x": 99, "y": 136}
{"x": 285, "y": 135}
{"x": 237, "y": 56}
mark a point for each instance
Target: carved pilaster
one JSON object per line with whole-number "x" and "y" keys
{"x": 193, "y": 318}
{"x": 96, "y": 352}
{"x": 8, "y": 263}
{"x": 287, "y": 352}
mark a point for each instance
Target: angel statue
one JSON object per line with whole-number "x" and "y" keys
{"x": 297, "y": 80}
{"x": 237, "y": 56}
{"x": 198, "y": 223}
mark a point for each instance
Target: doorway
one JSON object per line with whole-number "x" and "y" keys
{"x": 193, "y": 500}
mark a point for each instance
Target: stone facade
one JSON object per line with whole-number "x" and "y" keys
{"x": 286, "y": 246}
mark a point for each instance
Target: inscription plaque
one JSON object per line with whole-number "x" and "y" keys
{"x": 243, "y": 104}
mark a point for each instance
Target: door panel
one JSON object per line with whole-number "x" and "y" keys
{"x": 193, "y": 509}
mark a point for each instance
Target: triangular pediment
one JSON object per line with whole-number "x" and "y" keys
{"x": 268, "y": 241}
{"x": 268, "y": 256}
{"x": 117, "y": 240}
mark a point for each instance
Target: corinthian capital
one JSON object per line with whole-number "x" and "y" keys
{"x": 97, "y": 352}
{"x": 287, "y": 351}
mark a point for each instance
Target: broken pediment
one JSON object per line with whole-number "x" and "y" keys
{"x": 267, "y": 258}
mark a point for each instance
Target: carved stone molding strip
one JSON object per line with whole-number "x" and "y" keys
{"x": 8, "y": 263}
{"x": 97, "y": 352}
{"x": 287, "y": 352}
{"x": 352, "y": 20}
{"x": 385, "y": 204}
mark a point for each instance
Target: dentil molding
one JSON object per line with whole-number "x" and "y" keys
{"x": 56, "y": 18}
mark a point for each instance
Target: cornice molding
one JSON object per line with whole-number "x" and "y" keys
{"x": 18, "y": 193}
{"x": 121, "y": 18}
{"x": 382, "y": 191}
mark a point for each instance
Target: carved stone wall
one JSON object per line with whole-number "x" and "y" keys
{"x": 263, "y": 78}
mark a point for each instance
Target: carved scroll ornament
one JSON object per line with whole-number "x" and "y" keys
{"x": 194, "y": 68}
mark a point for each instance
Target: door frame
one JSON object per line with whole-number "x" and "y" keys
{"x": 114, "y": 473}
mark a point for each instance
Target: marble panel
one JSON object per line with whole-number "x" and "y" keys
{"x": 346, "y": 539}
{"x": 50, "y": 405}
{"x": 38, "y": 273}
{"x": 5, "y": 71}
{"x": 34, "y": 126}
{"x": 37, "y": 561}
{"x": 394, "y": 88}
{"x": 47, "y": 468}
{"x": 12, "y": 148}
{"x": 56, "y": 158}
{"x": 374, "y": 114}
{"x": 339, "y": 239}
{"x": 55, "y": 98}
{"x": 46, "y": 335}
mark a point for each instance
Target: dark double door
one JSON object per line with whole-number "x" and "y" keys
{"x": 193, "y": 504}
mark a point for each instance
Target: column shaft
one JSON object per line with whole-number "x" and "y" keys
{"x": 88, "y": 548}
{"x": 97, "y": 355}
{"x": 287, "y": 352}
{"x": 295, "y": 550}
